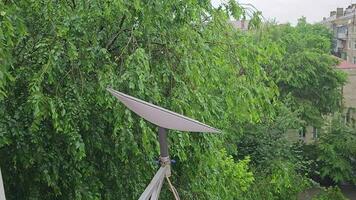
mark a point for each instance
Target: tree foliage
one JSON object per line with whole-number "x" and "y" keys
{"x": 337, "y": 151}
{"x": 298, "y": 60}
{"x": 330, "y": 193}
{"x": 64, "y": 137}
{"x": 300, "y": 64}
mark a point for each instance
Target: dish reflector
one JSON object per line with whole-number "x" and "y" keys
{"x": 160, "y": 116}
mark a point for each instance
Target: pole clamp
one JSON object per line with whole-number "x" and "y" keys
{"x": 165, "y": 161}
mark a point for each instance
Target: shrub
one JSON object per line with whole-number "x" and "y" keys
{"x": 332, "y": 193}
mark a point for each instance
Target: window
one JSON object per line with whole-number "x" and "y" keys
{"x": 349, "y": 44}
{"x": 302, "y": 132}
{"x": 348, "y": 113}
{"x": 354, "y": 60}
{"x": 315, "y": 133}
{"x": 354, "y": 44}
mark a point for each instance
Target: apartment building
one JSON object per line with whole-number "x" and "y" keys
{"x": 343, "y": 24}
{"x": 310, "y": 134}
{"x": 349, "y": 92}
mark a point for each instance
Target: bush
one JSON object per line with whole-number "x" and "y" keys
{"x": 282, "y": 182}
{"x": 332, "y": 193}
{"x": 337, "y": 151}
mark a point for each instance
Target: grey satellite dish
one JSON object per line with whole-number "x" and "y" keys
{"x": 164, "y": 119}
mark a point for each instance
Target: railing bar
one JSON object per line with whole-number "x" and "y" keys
{"x": 2, "y": 191}
{"x": 156, "y": 179}
{"x": 157, "y": 190}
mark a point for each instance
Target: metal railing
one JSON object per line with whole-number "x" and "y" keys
{"x": 153, "y": 190}
{"x": 2, "y": 191}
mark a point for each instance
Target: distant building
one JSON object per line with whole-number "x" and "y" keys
{"x": 240, "y": 24}
{"x": 349, "y": 92}
{"x": 343, "y": 24}
{"x": 310, "y": 134}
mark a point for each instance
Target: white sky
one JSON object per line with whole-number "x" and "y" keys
{"x": 290, "y": 10}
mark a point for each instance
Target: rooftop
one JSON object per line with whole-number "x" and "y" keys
{"x": 341, "y": 13}
{"x": 346, "y": 65}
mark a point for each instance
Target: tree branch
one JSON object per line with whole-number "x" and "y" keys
{"x": 74, "y": 5}
{"x": 113, "y": 39}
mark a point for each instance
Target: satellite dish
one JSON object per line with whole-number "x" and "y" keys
{"x": 164, "y": 119}
{"x": 161, "y": 116}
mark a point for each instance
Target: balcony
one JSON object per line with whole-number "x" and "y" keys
{"x": 341, "y": 36}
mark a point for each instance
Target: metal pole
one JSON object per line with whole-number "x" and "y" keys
{"x": 153, "y": 190}
{"x": 163, "y": 144}
{"x": 164, "y": 159}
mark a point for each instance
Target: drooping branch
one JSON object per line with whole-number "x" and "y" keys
{"x": 113, "y": 39}
{"x": 74, "y": 5}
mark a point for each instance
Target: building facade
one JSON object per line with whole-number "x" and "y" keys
{"x": 309, "y": 134}
{"x": 343, "y": 24}
{"x": 349, "y": 92}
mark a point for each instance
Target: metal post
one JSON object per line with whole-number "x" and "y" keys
{"x": 164, "y": 159}
{"x": 163, "y": 144}
{"x": 153, "y": 190}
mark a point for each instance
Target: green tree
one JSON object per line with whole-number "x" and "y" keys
{"x": 62, "y": 136}
{"x": 303, "y": 68}
{"x": 337, "y": 151}
{"x": 298, "y": 60}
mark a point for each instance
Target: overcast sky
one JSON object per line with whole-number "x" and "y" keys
{"x": 290, "y": 10}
